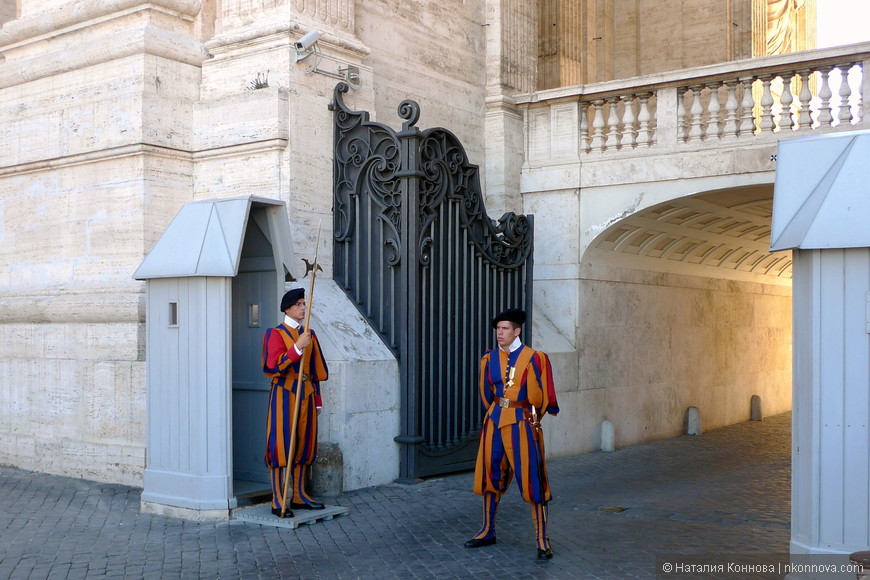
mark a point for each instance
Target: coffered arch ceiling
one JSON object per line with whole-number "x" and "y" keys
{"x": 718, "y": 234}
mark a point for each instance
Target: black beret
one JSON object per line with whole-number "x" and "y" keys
{"x": 511, "y": 315}
{"x": 291, "y": 297}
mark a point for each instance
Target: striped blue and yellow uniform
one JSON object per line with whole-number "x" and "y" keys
{"x": 281, "y": 362}
{"x": 511, "y": 384}
{"x": 507, "y": 445}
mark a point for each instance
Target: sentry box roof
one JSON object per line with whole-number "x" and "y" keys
{"x": 206, "y": 237}
{"x": 821, "y": 197}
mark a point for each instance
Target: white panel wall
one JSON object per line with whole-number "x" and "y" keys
{"x": 188, "y": 462}
{"x": 831, "y": 470}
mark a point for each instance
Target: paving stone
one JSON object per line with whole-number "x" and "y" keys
{"x": 722, "y": 494}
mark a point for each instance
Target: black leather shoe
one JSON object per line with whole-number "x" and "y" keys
{"x": 277, "y": 512}
{"x": 479, "y": 543}
{"x": 307, "y": 506}
{"x": 545, "y": 554}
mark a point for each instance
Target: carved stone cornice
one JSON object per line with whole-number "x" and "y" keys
{"x": 334, "y": 15}
{"x": 33, "y": 50}
{"x": 92, "y": 157}
{"x": 502, "y": 103}
{"x": 87, "y": 305}
{"x": 55, "y": 20}
{"x": 251, "y": 36}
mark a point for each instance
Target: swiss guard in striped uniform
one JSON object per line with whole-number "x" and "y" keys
{"x": 282, "y": 355}
{"x": 516, "y": 387}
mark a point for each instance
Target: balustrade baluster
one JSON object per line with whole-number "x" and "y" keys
{"x": 644, "y": 136}
{"x": 825, "y": 118}
{"x": 681, "y": 115}
{"x": 598, "y": 125}
{"x": 786, "y": 121}
{"x": 747, "y": 104}
{"x": 788, "y": 94}
{"x": 766, "y": 123}
{"x": 695, "y": 131}
{"x": 805, "y": 118}
{"x": 584, "y": 127}
{"x": 845, "y": 112}
{"x": 629, "y": 135}
{"x": 730, "y": 127}
{"x": 612, "y": 124}
{"x": 713, "y": 109}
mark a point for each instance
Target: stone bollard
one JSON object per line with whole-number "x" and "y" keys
{"x": 608, "y": 437}
{"x": 693, "y": 421}
{"x": 862, "y": 560}
{"x": 327, "y": 473}
{"x": 755, "y": 413}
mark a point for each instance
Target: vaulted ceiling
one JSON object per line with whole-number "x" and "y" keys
{"x": 721, "y": 234}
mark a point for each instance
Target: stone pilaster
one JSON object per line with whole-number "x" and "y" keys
{"x": 561, "y": 43}
{"x": 59, "y": 39}
{"x": 335, "y": 15}
{"x": 95, "y": 136}
{"x": 511, "y": 69}
{"x": 278, "y": 147}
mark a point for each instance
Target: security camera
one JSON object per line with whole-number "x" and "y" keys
{"x": 306, "y": 42}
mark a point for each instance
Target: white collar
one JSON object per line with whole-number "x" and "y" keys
{"x": 292, "y": 323}
{"x": 517, "y": 343}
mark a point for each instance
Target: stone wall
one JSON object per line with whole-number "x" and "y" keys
{"x": 94, "y": 162}
{"x": 659, "y": 344}
{"x": 652, "y": 345}
{"x": 113, "y": 114}
{"x": 7, "y": 11}
{"x": 433, "y": 53}
{"x": 587, "y": 42}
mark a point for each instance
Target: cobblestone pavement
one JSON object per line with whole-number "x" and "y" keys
{"x": 724, "y": 494}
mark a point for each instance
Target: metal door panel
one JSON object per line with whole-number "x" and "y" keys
{"x": 417, "y": 253}
{"x": 250, "y": 386}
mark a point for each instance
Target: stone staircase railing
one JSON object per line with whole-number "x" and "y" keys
{"x": 724, "y": 104}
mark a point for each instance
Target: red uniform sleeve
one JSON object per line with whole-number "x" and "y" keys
{"x": 277, "y": 355}
{"x": 545, "y": 371}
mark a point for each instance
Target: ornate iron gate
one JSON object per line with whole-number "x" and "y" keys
{"x": 416, "y": 252}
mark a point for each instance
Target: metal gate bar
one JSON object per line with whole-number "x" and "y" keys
{"x": 415, "y": 250}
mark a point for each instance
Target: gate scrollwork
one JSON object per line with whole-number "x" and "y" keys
{"x": 417, "y": 253}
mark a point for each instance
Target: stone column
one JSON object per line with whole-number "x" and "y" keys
{"x": 282, "y": 150}
{"x": 95, "y": 126}
{"x": 511, "y": 68}
{"x": 7, "y": 12}
{"x": 563, "y": 35}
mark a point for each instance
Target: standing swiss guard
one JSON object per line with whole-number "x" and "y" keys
{"x": 283, "y": 348}
{"x": 516, "y": 387}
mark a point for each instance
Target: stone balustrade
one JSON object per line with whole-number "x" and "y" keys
{"x": 757, "y": 99}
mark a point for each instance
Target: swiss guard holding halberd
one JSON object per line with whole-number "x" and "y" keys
{"x": 287, "y": 348}
{"x": 516, "y": 386}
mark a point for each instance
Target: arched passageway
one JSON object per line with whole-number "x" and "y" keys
{"x": 683, "y": 305}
